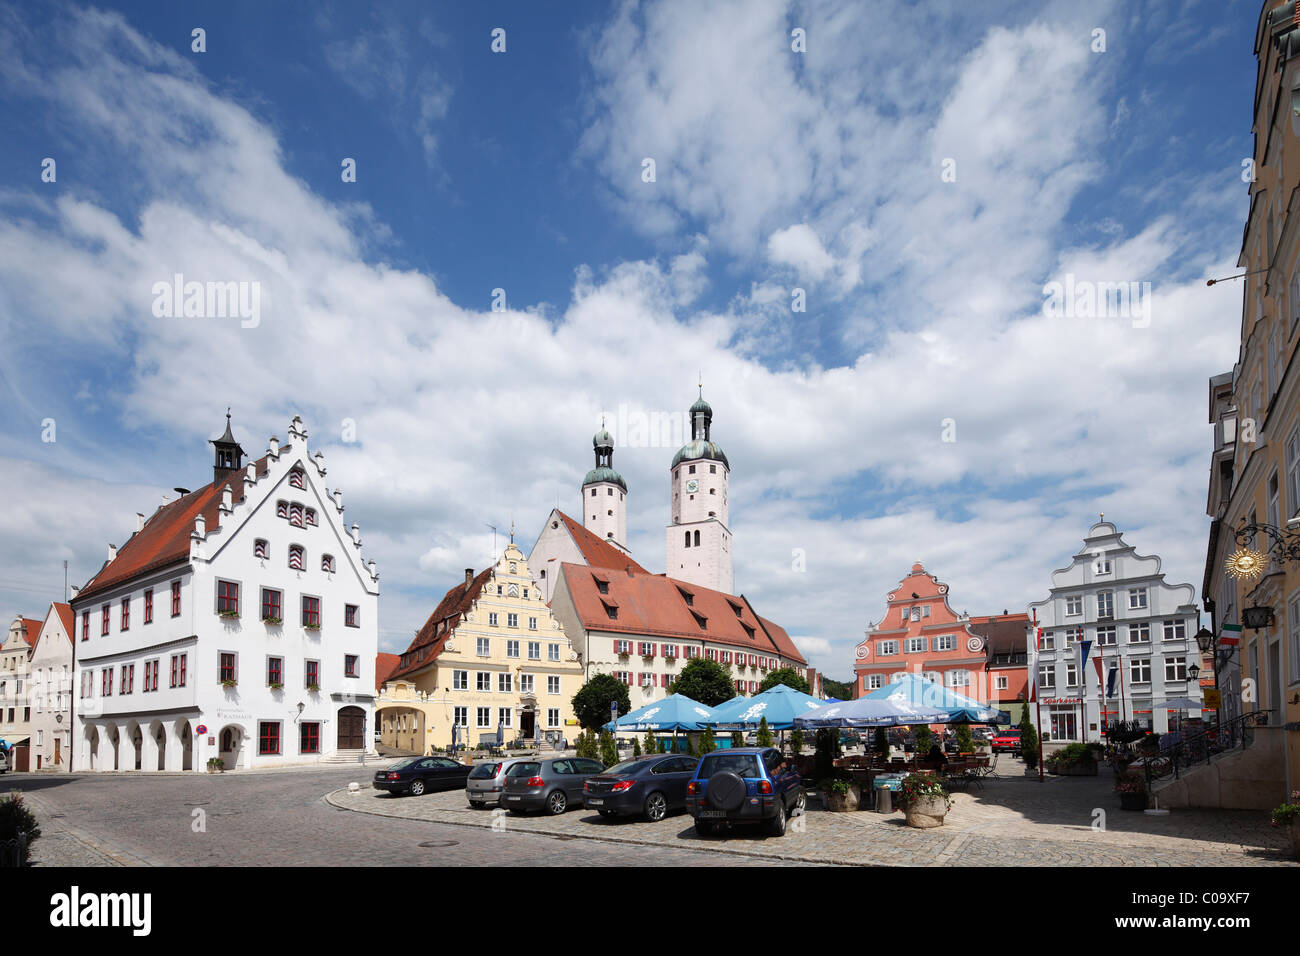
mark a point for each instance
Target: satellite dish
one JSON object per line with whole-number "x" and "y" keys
{"x": 181, "y": 491}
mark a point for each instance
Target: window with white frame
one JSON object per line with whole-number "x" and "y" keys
{"x": 1292, "y": 453}
{"x": 1137, "y": 599}
{"x": 1047, "y": 676}
{"x": 1139, "y": 670}
{"x": 526, "y": 683}
{"x": 1074, "y": 604}
{"x": 1293, "y": 638}
{"x": 1101, "y": 565}
{"x": 1049, "y": 641}
{"x": 552, "y": 717}
{"x": 917, "y": 645}
{"x": 552, "y": 652}
{"x": 1001, "y": 682}
{"x": 1175, "y": 669}
{"x": 552, "y": 684}
{"x": 875, "y": 681}
{"x": 504, "y": 683}
{"x": 460, "y": 680}
{"x": 934, "y": 677}
{"x": 492, "y": 619}
{"x": 1106, "y": 636}
{"x": 534, "y": 650}
{"x": 506, "y": 717}
{"x": 483, "y": 717}
{"x": 512, "y": 620}
{"x": 1139, "y": 633}
{"x": 959, "y": 678}
{"x": 886, "y": 648}
{"x": 483, "y": 680}
{"x": 484, "y": 647}
{"x": 512, "y": 648}
{"x": 460, "y": 716}
{"x": 1105, "y": 603}
{"x": 945, "y": 642}
{"x": 1071, "y": 674}
{"x": 532, "y": 624}
{"x": 1175, "y": 630}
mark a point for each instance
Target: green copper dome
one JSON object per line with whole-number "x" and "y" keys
{"x": 701, "y": 406}
{"x": 602, "y": 439}
{"x": 603, "y": 473}
{"x": 700, "y": 449}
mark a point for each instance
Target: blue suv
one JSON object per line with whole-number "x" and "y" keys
{"x": 744, "y": 785}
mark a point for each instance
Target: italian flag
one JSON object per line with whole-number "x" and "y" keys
{"x": 1231, "y": 633}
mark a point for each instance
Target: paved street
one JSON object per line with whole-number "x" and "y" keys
{"x": 279, "y": 819}
{"x": 307, "y": 817}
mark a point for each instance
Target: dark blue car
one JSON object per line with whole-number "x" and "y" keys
{"x": 744, "y": 785}
{"x": 649, "y": 786}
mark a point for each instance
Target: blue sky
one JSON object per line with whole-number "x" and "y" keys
{"x": 522, "y": 170}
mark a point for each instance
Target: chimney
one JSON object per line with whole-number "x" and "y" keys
{"x": 112, "y": 553}
{"x": 200, "y": 526}
{"x": 250, "y": 476}
{"x": 227, "y": 499}
{"x": 469, "y": 577}
{"x": 139, "y": 522}
{"x": 76, "y": 589}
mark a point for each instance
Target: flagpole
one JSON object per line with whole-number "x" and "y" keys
{"x": 1038, "y": 697}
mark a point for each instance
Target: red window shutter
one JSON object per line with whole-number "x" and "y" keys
{"x": 653, "y": 649}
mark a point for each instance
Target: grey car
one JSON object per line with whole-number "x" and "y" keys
{"x": 487, "y": 781}
{"x": 550, "y": 785}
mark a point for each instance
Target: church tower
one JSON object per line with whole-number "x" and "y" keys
{"x": 699, "y": 539}
{"x": 604, "y": 495}
{"x": 229, "y": 455}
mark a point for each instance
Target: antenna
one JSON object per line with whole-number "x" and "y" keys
{"x": 65, "y": 582}
{"x": 494, "y": 540}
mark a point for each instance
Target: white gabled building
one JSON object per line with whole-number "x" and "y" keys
{"x": 1146, "y": 629}
{"x": 239, "y": 621}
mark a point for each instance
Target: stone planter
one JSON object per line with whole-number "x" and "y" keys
{"x": 843, "y": 802}
{"x": 1080, "y": 768}
{"x": 1133, "y": 801}
{"x": 926, "y": 812}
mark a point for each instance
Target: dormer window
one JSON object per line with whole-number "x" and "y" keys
{"x": 261, "y": 549}
{"x": 701, "y": 620}
{"x": 297, "y": 479}
{"x": 687, "y": 596}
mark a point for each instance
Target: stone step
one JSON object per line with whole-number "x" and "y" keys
{"x": 349, "y": 756}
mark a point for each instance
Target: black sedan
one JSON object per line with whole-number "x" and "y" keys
{"x": 422, "y": 775}
{"x": 645, "y": 786}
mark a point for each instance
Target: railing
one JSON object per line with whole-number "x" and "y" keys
{"x": 1199, "y": 748}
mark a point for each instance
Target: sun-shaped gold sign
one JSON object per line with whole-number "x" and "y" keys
{"x": 1246, "y": 563}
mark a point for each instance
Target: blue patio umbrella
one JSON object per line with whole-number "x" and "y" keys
{"x": 674, "y": 712}
{"x": 914, "y": 691}
{"x": 865, "y": 712}
{"x": 779, "y": 704}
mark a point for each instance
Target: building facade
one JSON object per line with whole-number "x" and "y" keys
{"x": 921, "y": 634}
{"x": 490, "y": 658}
{"x": 239, "y": 622}
{"x": 1006, "y": 662}
{"x": 1135, "y": 624}
{"x": 51, "y": 691}
{"x": 15, "y": 690}
{"x": 1255, "y": 410}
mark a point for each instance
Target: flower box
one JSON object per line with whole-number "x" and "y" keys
{"x": 229, "y": 615}
{"x": 273, "y": 621}
{"x": 312, "y": 627}
{"x": 229, "y": 683}
{"x": 313, "y": 688}
{"x": 275, "y": 686}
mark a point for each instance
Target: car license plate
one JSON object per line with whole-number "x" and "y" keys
{"x": 476, "y": 798}
{"x": 712, "y": 814}
{"x": 514, "y": 798}
{"x": 596, "y": 801}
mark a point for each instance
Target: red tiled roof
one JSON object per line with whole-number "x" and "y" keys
{"x": 165, "y": 538}
{"x": 656, "y": 605}
{"x": 385, "y": 664}
{"x": 455, "y": 604}
{"x": 65, "y": 616}
{"x": 597, "y": 552}
{"x": 1002, "y": 633}
{"x": 31, "y": 630}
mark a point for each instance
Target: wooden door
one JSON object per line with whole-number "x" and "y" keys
{"x": 352, "y": 728}
{"x": 58, "y": 751}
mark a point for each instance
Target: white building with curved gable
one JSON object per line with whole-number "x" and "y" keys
{"x": 1139, "y": 625}
{"x": 238, "y": 621}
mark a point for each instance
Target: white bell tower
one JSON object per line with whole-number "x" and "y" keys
{"x": 604, "y": 495}
{"x": 699, "y": 538}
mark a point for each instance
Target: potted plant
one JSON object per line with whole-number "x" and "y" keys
{"x": 1132, "y": 790}
{"x": 216, "y": 765}
{"x": 841, "y": 795}
{"x": 1073, "y": 760}
{"x": 1288, "y": 815}
{"x": 18, "y": 829}
{"x": 924, "y": 800}
{"x": 229, "y": 682}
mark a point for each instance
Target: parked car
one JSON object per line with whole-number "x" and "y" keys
{"x": 486, "y": 782}
{"x": 4, "y": 760}
{"x": 418, "y": 775}
{"x": 1006, "y": 740}
{"x": 650, "y": 786}
{"x": 744, "y": 785}
{"x": 550, "y": 785}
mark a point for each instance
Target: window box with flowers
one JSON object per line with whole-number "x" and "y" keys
{"x": 924, "y": 800}
{"x": 1288, "y": 815}
{"x": 229, "y": 615}
{"x": 1132, "y": 790}
{"x": 312, "y": 627}
{"x": 275, "y": 685}
{"x": 313, "y": 688}
{"x": 272, "y": 621}
{"x": 229, "y": 682}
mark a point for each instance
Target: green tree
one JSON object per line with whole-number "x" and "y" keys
{"x": 965, "y": 743}
{"x": 796, "y": 742}
{"x": 636, "y": 746}
{"x": 707, "y": 743}
{"x": 764, "y": 733}
{"x": 706, "y": 681}
{"x": 924, "y": 739}
{"x": 608, "y": 749}
{"x": 881, "y": 744}
{"x": 651, "y": 745}
{"x": 591, "y": 702}
{"x": 787, "y": 676}
{"x": 842, "y": 690}
{"x": 828, "y": 750}
{"x": 586, "y": 745}
{"x": 690, "y": 747}
{"x": 1028, "y": 741}
{"x": 737, "y": 739}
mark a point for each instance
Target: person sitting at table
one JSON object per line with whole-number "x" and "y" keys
{"x": 936, "y": 755}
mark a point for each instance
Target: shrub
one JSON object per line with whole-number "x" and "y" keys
{"x": 764, "y": 733}
{"x": 924, "y": 739}
{"x": 965, "y": 743}
{"x": 1130, "y": 783}
{"x": 707, "y": 743}
{"x": 651, "y": 746}
{"x": 1028, "y": 741}
{"x": 16, "y": 818}
{"x": 1287, "y": 813}
{"x": 881, "y": 743}
{"x": 1072, "y": 754}
{"x": 737, "y": 739}
{"x": 608, "y": 749}
{"x": 636, "y": 746}
{"x": 796, "y": 742}
{"x": 828, "y": 748}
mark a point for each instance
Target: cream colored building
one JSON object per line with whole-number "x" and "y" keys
{"x": 15, "y": 681}
{"x": 489, "y": 657}
{"x": 50, "y": 691}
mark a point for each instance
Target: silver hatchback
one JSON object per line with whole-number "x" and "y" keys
{"x": 486, "y": 781}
